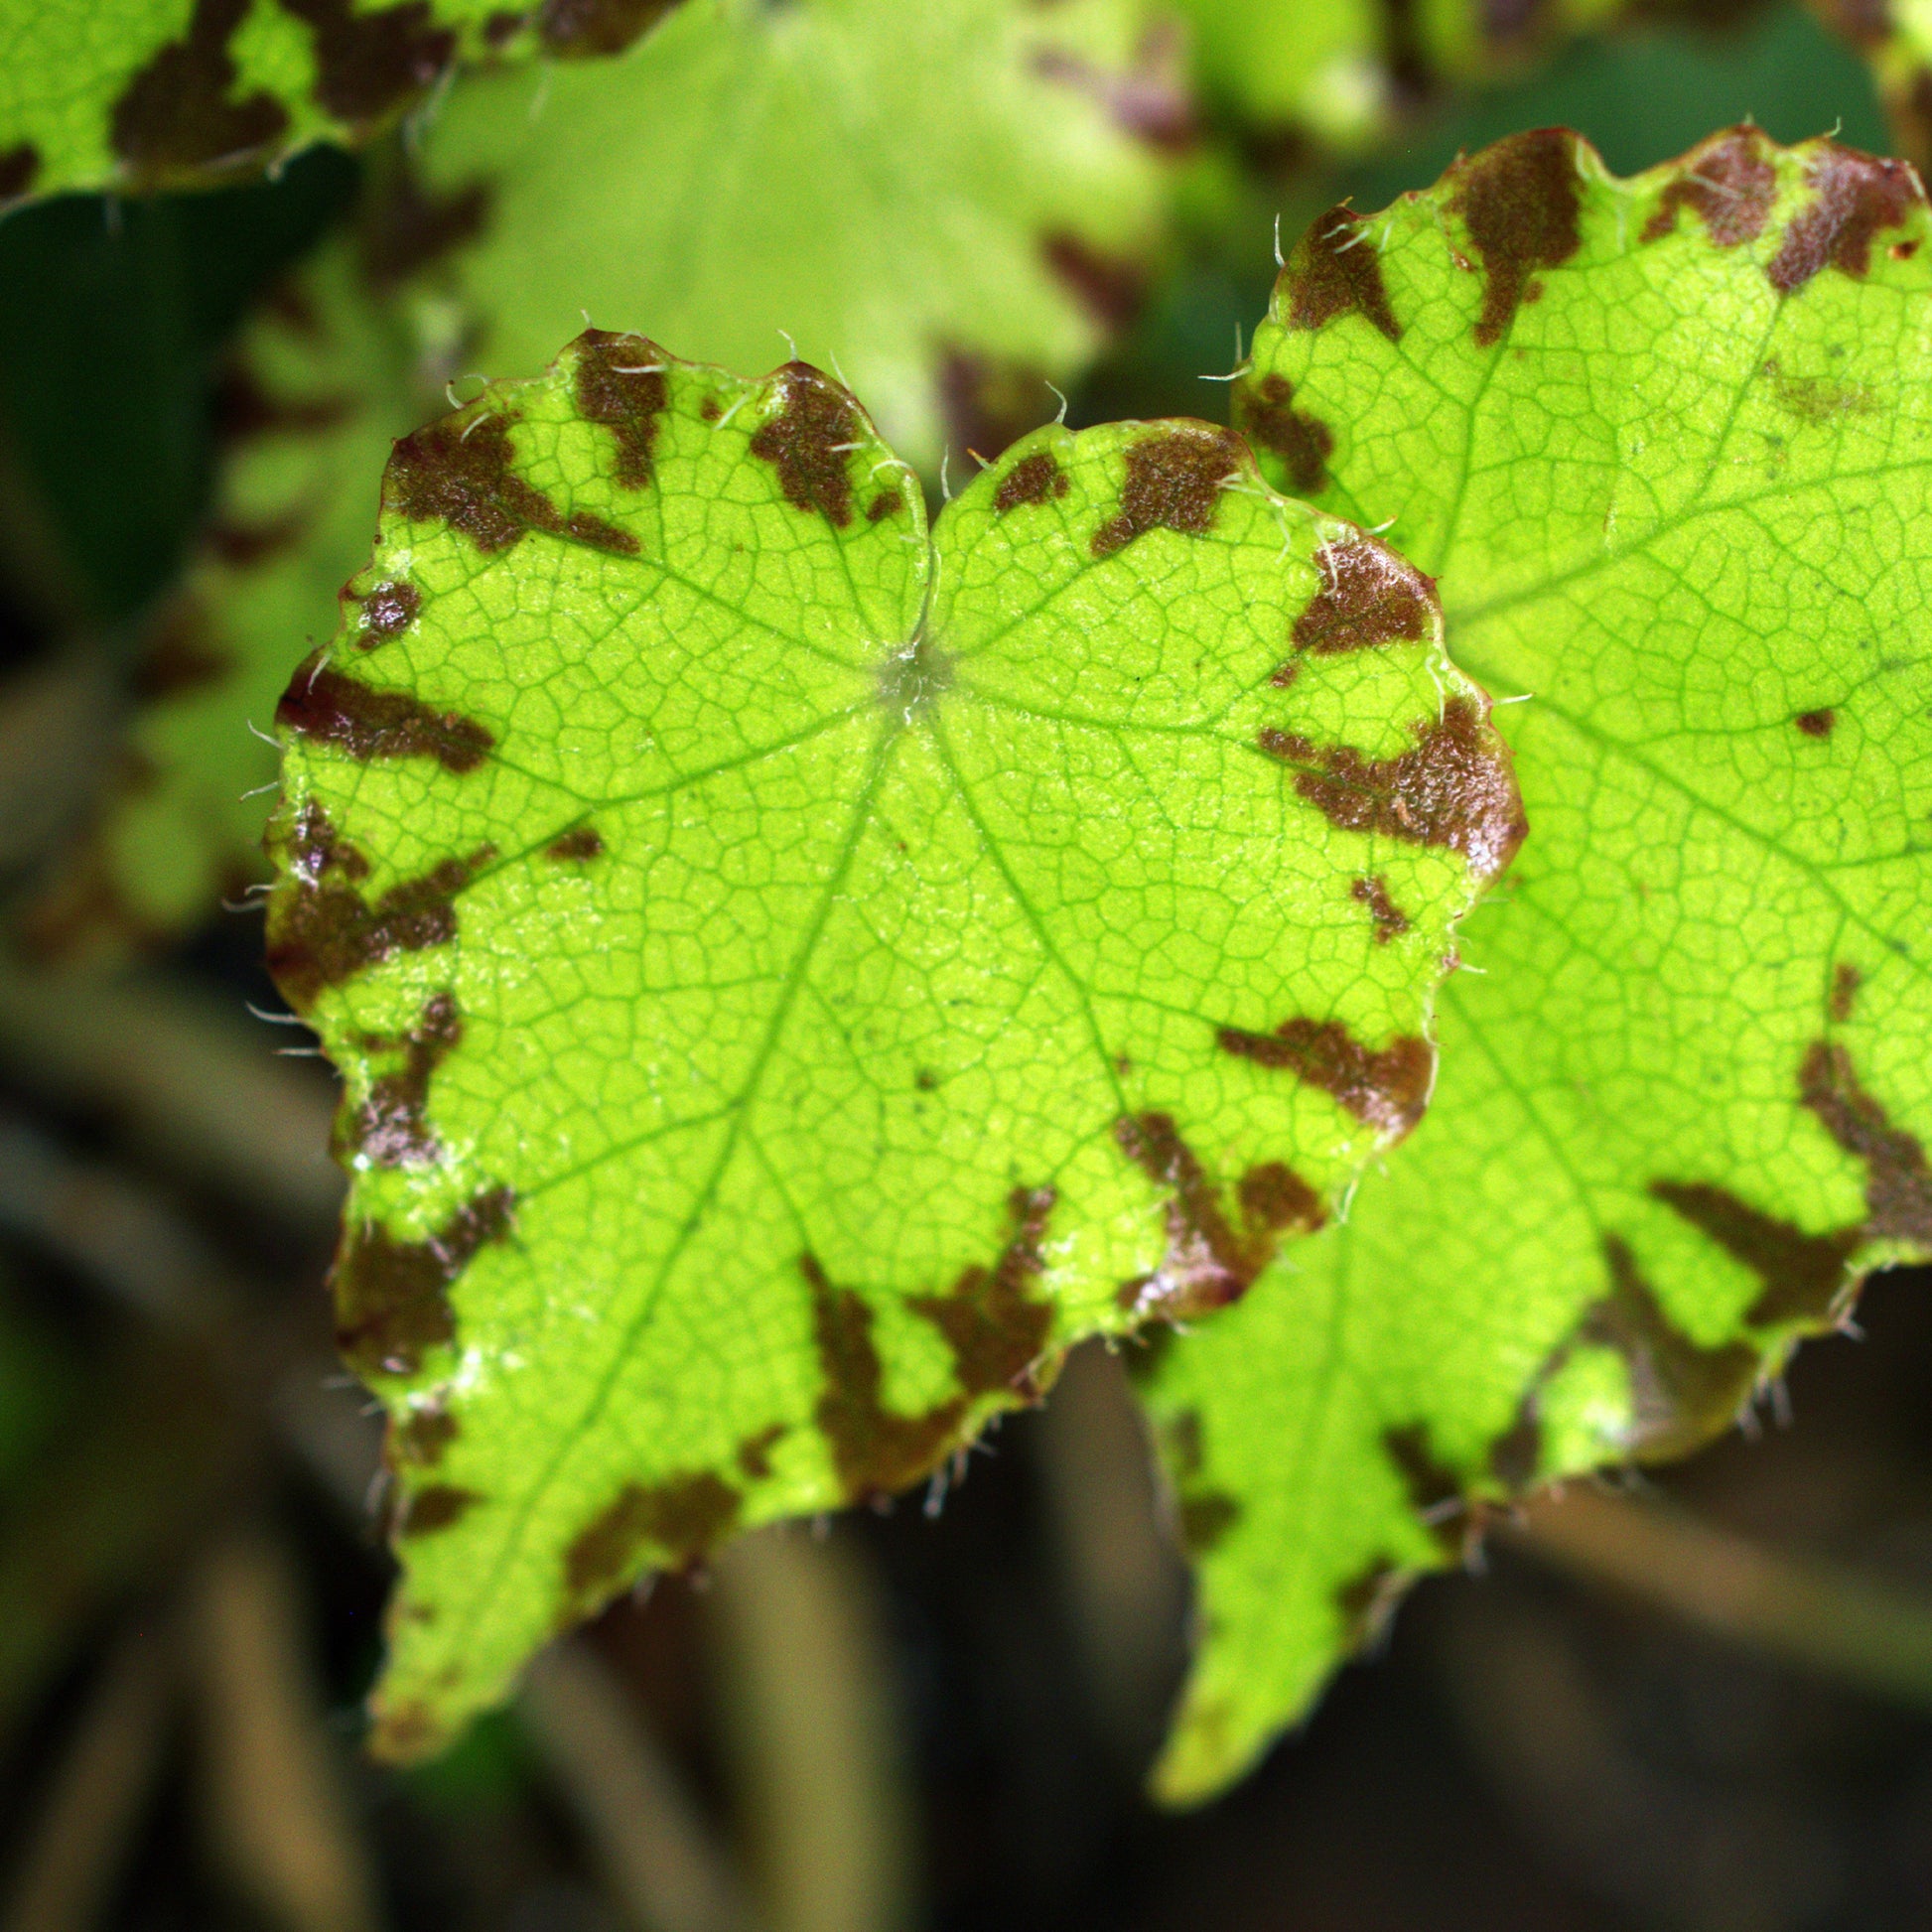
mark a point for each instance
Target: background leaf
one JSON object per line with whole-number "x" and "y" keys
{"x": 1664, "y": 445}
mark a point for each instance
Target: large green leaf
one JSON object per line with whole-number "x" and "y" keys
{"x": 794, "y": 974}
{"x": 154, "y": 93}
{"x": 1667, "y": 446}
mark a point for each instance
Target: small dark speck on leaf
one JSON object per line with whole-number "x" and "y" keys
{"x": 1032, "y": 480}
{"x": 436, "y": 1507}
{"x": 1391, "y": 922}
{"x": 1846, "y": 981}
{"x": 389, "y": 610}
{"x": 1815, "y": 724}
{"x": 576, "y": 847}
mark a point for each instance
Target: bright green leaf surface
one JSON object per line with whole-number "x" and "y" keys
{"x": 794, "y": 974}
{"x": 1667, "y": 445}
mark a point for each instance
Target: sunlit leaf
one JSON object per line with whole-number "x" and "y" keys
{"x": 792, "y": 973}
{"x": 1666, "y": 444}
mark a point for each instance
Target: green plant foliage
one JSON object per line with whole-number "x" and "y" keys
{"x": 952, "y": 204}
{"x": 1896, "y": 39}
{"x": 1667, "y": 447}
{"x": 139, "y": 94}
{"x": 792, "y": 974}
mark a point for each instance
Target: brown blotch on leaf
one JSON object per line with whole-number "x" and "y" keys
{"x": 1898, "y": 1188}
{"x": 369, "y": 62}
{"x": 244, "y": 408}
{"x": 1434, "y": 1489}
{"x": 1266, "y": 415}
{"x": 1368, "y": 596}
{"x": 422, "y": 1438}
{"x": 1854, "y": 195}
{"x": 1367, "y": 1601}
{"x": 1207, "y": 1264}
{"x": 1846, "y": 981}
{"x": 243, "y": 542}
{"x": 176, "y": 113}
{"x": 436, "y": 1507}
{"x": 1336, "y": 270}
{"x": 1815, "y": 724}
{"x": 882, "y": 505}
{"x": 1391, "y": 922}
{"x": 1516, "y": 1456}
{"x": 1681, "y": 1394}
{"x": 595, "y": 27}
{"x": 403, "y": 226}
{"x": 807, "y": 442}
{"x": 1455, "y": 789}
{"x": 1207, "y": 1516}
{"x": 1110, "y": 288}
{"x": 19, "y": 166}
{"x": 753, "y": 1453}
{"x": 389, "y": 610}
{"x": 462, "y": 477}
{"x": 676, "y": 1520}
{"x": 325, "y": 932}
{"x": 620, "y": 383}
{"x": 1387, "y": 1089}
{"x": 1803, "y": 1274}
{"x": 576, "y": 847}
{"x": 994, "y": 1328}
{"x": 181, "y": 653}
{"x": 330, "y": 709}
{"x": 1729, "y": 182}
{"x": 389, "y": 1128}
{"x": 1034, "y": 479}
{"x": 315, "y": 847}
{"x": 1519, "y": 201}
{"x": 392, "y": 1298}
{"x": 874, "y": 1451}
{"x": 1174, "y": 481}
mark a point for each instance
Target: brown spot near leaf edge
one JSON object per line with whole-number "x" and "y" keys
{"x": 1898, "y": 1187}
{"x": 1206, "y": 1518}
{"x": 1336, "y": 270}
{"x": 1387, "y": 1089}
{"x": 1854, "y": 195}
{"x": 1455, "y": 788}
{"x": 588, "y": 28}
{"x": 994, "y": 1329}
{"x": 1729, "y": 182}
{"x": 392, "y": 1298}
{"x": 389, "y": 610}
{"x": 328, "y": 708}
{"x": 1368, "y": 596}
{"x": 1846, "y": 981}
{"x": 806, "y": 441}
{"x": 176, "y": 115}
{"x": 882, "y": 505}
{"x": 181, "y": 653}
{"x": 389, "y": 1129}
{"x": 875, "y": 1452}
{"x": 1815, "y": 724}
{"x": 1391, "y": 922}
{"x": 1434, "y": 1489}
{"x": 1110, "y": 288}
{"x": 315, "y": 847}
{"x": 325, "y": 932}
{"x": 620, "y": 383}
{"x": 1520, "y": 201}
{"x": 675, "y": 1519}
{"x": 1366, "y": 1601}
{"x": 403, "y": 226}
{"x": 753, "y": 1454}
{"x": 1516, "y": 1456}
{"x": 1265, "y": 414}
{"x": 1681, "y": 1394}
{"x": 421, "y": 1439}
{"x": 1803, "y": 1275}
{"x": 462, "y": 477}
{"x": 435, "y": 1507}
{"x": 576, "y": 847}
{"x": 1035, "y": 478}
{"x": 1174, "y": 480}
{"x": 1207, "y": 1264}
{"x": 19, "y": 165}
{"x": 371, "y": 63}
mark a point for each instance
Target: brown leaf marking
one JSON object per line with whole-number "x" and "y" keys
{"x": 422, "y": 1438}
{"x": 806, "y": 442}
{"x": 1110, "y": 288}
{"x": 369, "y": 62}
{"x": 621, "y": 385}
{"x": 403, "y": 226}
{"x": 1207, "y": 1516}
{"x": 674, "y": 1520}
{"x": 461, "y": 475}
{"x": 995, "y": 1330}
{"x": 392, "y": 1298}
{"x": 181, "y": 653}
{"x": 329, "y": 708}
{"x": 1803, "y": 1275}
{"x": 578, "y": 847}
{"x": 176, "y": 113}
{"x": 1336, "y": 270}
{"x": 597, "y": 27}
{"x": 1387, "y": 1089}
{"x": 1434, "y": 1490}
{"x": 389, "y": 610}
{"x": 436, "y": 1507}
{"x": 389, "y": 1128}
{"x": 1174, "y": 481}
{"x": 1897, "y": 1188}
{"x": 1032, "y": 480}
{"x": 1455, "y": 789}
{"x": 1854, "y": 195}
{"x": 1365, "y": 1603}
{"x": 1846, "y": 981}
{"x": 1815, "y": 724}
{"x": 19, "y": 165}
{"x": 1519, "y": 201}
{"x": 1368, "y": 596}
{"x": 753, "y": 1453}
{"x": 1265, "y": 414}
{"x": 1391, "y": 922}
{"x": 1731, "y": 184}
